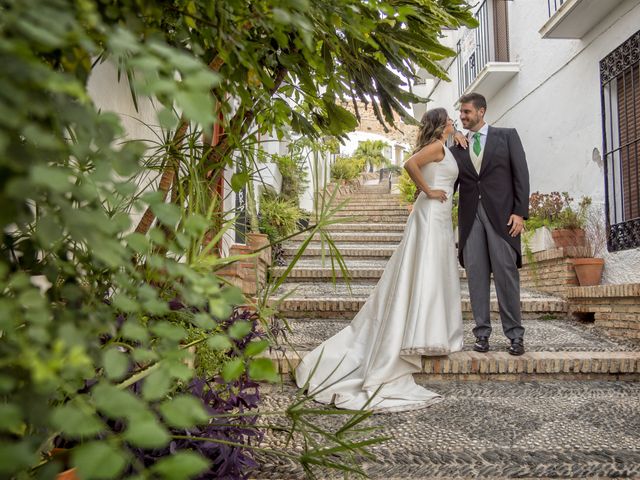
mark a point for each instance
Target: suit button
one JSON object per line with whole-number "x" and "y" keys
{"x": 479, "y": 196}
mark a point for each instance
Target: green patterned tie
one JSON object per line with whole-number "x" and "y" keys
{"x": 477, "y": 148}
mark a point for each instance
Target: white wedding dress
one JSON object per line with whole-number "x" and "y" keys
{"x": 414, "y": 310}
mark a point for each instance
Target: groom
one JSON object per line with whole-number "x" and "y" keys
{"x": 494, "y": 201}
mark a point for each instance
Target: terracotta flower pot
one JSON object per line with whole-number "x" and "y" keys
{"x": 62, "y": 454}
{"x": 589, "y": 270}
{"x": 70, "y": 474}
{"x": 569, "y": 237}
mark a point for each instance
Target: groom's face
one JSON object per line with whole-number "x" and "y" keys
{"x": 470, "y": 116}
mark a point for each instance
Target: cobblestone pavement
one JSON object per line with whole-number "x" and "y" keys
{"x": 561, "y": 335}
{"x": 564, "y": 429}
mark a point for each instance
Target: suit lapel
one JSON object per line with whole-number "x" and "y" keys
{"x": 466, "y": 160}
{"x": 488, "y": 149}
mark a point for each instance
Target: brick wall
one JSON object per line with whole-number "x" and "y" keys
{"x": 615, "y": 308}
{"x": 250, "y": 273}
{"x": 552, "y": 270}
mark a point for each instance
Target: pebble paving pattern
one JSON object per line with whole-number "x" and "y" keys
{"x": 563, "y": 429}
{"x": 481, "y": 429}
{"x": 559, "y": 335}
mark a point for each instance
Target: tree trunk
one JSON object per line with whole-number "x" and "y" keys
{"x": 165, "y": 181}
{"x": 167, "y": 175}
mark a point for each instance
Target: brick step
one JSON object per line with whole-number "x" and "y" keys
{"x": 367, "y": 227}
{"x": 379, "y": 218}
{"x": 377, "y": 198}
{"x": 327, "y": 307}
{"x": 371, "y": 251}
{"x": 316, "y": 270}
{"x": 372, "y": 209}
{"x": 351, "y": 202}
{"x": 384, "y": 196}
{"x": 352, "y": 237}
{"x": 326, "y": 300}
{"x": 380, "y": 187}
{"x": 475, "y": 366}
{"x": 373, "y": 203}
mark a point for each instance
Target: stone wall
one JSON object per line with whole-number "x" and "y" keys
{"x": 369, "y": 123}
{"x": 615, "y": 308}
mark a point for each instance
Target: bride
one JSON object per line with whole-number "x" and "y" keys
{"x": 414, "y": 309}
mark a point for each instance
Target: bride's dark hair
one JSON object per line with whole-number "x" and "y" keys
{"x": 432, "y": 126}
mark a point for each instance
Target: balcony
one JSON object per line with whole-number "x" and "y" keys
{"x": 574, "y": 18}
{"x": 483, "y": 53}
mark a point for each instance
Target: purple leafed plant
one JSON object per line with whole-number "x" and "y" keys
{"x": 220, "y": 398}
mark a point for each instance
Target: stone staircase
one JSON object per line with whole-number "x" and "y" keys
{"x": 315, "y": 308}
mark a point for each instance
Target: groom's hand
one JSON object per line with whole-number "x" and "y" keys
{"x": 516, "y": 222}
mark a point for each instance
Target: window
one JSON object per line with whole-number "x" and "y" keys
{"x": 620, "y": 96}
{"x": 554, "y": 5}
{"x": 487, "y": 43}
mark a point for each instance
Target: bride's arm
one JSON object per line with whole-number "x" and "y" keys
{"x": 429, "y": 153}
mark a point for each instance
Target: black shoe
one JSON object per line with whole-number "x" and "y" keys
{"x": 517, "y": 347}
{"x": 481, "y": 345}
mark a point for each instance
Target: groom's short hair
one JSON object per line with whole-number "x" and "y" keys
{"x": 478, "y": 100}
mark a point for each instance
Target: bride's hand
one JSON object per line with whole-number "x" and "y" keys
{"x": 440, "y": 195}
{"x": 460, "y": 139}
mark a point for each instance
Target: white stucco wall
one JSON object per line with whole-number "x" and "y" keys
{"x": 110, "y": 95}
{"x": 554, "y": 103}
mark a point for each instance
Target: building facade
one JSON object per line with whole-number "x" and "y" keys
{"x": 399, "y": 141}
{"x": 111, "y": 92}
{"x": 566, "y": 75}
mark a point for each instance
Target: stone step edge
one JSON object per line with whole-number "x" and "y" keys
{"x": 313, "y": 272}
{"x": 495, "y": 363}
{"x": 374, "y": 213}
{"x": 352, "y": 237}
{"x": 374, "y": 205}
{"x": 395, "y": 202}
{"x": 340, "y": 304}
{"x": 361, "y": 225}
{"x": 347, "y": 251}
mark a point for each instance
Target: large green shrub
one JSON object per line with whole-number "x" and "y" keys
{"x": 347, "y": 168}
{"x": 278, "y": 217}
{"x": 294, "y": 175}
{"x": 407, "y": 187}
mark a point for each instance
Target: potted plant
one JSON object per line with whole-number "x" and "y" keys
{"x": 61, "y": 455}
{"x": 589, "y": 269}
{"x": 570, "y": 222}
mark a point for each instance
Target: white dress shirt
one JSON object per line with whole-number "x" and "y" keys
{"x": 483, "y": 135}
{"x": 477, "y": 159}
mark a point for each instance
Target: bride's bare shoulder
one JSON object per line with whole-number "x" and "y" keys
{"x": 436, "y": 150}
{"x": 432, "y": 152}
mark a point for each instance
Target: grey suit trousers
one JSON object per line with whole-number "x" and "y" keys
{"x": 484, "y": 252}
